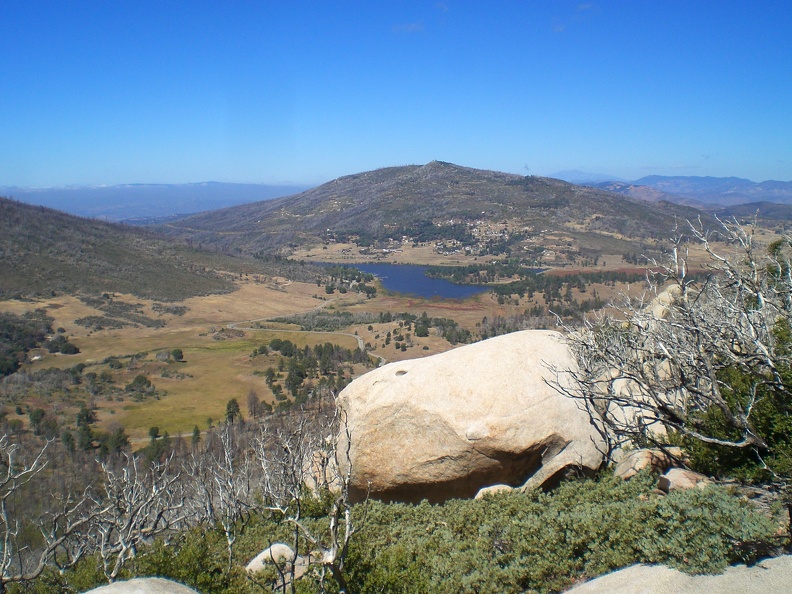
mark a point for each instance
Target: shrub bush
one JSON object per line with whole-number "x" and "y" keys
{"x": 545, "y": 542}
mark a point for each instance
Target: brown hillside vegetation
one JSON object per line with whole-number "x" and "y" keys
{"x": 435, "y": 200}
{"x": 45, "y": 252}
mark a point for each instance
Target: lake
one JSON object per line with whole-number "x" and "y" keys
{"x": 409, "y": 279}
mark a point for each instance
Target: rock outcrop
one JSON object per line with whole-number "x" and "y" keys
{"x": 771, "y": 576}
{"x": 480, "y": 415}
{"x": 144, "y": 586}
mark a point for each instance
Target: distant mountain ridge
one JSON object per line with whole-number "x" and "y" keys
{"x": 148, "y": 201}
{"x": 576, "y": 176}
{"x": 762, "y": 210}
{"x": 704, "y": 192}
{"x": 396, "y": 200}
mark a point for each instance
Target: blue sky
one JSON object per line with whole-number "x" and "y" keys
{"x": 167, "y": 92}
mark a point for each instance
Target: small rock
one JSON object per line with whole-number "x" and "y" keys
{"x": 144, "y": 586}
{"x": 493, "y": 490}
{"x": 679, "y": 479}
{"x": 284, "y": 556}
{"x": 279, "y": 553}
{"x": 655, "y": 459}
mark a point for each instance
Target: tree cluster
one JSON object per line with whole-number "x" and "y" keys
{"x": 20, "y": 334}
{"x": 324, "y": 363}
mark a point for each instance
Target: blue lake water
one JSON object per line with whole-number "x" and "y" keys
{"x": 409, "y": 279}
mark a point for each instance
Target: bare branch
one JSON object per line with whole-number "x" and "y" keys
{"x": 645, "y": 370}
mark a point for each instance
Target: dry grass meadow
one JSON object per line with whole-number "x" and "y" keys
{"x": 217, "y": 365}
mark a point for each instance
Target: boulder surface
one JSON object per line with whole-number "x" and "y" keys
{"x": 771, "y": 576}
{"x": 144, "y": 586}
{"x": 278, "y": 553}
{"x": 451, "y": 424}
{"x": 655, "y": 460}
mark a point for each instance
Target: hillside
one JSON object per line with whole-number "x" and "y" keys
{"x": 761, "y": 210}
{"x": 431, "y": 202}
{"x": 44, "y": 251}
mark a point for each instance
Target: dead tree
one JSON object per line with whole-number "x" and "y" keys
{"x": 659, "y": 366}
{"x": 139, "y": 502}
{"x": 61, "y": 529}
{"x": 220, "y": 484}
{"x": 299, "y": 459}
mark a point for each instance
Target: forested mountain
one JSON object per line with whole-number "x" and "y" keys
{"x": 44, "y": 251}
{"x": 407, "y": 200}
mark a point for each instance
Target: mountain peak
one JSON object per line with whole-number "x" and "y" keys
{"x": 441, "y": 197}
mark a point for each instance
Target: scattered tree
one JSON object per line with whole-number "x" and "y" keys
{"x": 253, "y": 405}
{"x": 232, "y": 410}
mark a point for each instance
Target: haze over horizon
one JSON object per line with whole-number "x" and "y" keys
{"x": 301, "y": 93}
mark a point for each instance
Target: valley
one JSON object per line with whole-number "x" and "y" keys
{"x": 216, "y": 365}
{"x": 217, "y": 334}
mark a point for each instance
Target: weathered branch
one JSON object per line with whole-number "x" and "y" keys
{"x": 648, "y": 369}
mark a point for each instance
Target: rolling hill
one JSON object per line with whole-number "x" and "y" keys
{"x": 45, "y": 251}
{"x": 411, "y": 200}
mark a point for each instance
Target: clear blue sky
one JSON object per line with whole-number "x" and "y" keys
{"x": 123, "y": 91}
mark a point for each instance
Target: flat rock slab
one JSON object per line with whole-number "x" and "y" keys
{"x": 771, "y": 576}
{"x": 144, "y": 586}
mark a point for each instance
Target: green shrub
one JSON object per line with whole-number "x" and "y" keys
{"x": 140, "y": 384}
{"x": 545, "y": 542}
{"x": 197, "y": 559}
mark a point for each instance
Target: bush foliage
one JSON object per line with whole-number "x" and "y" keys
{"x": 514, "y": 542}
{"x": 540, "y": 542}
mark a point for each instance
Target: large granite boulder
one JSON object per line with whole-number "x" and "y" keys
{"x": 480, "y": 415}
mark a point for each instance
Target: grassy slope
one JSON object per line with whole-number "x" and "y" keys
{"x": 44, "y": 251}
